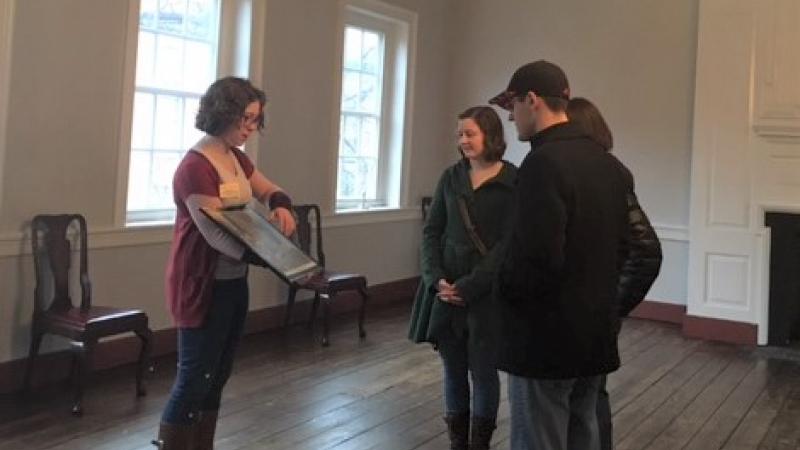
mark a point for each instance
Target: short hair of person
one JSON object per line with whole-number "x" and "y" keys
{"x": 224, "y": 103}
{"x": 494, "y": 143}
{"x": 556, "y": 104}
{"x": 586, "y": 115}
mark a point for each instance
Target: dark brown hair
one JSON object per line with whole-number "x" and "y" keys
{"x": 494, "y": 143}
{"x": 556, "y": 104}
{"x": 583, "y": 113}
{"x": 224, "y": 103}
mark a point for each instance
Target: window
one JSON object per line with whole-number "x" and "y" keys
{"x": 375, "y": 62}
{"x": 181, "y": 47}
{"x": 6, "y": 31}
{"x": 176, "y": 61}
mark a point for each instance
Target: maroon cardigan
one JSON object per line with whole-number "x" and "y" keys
{"x": 192, "y": 261}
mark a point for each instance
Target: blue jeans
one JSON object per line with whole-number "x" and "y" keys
{"x": 205, "y": 354}
{"x": 460, "y": 360}
{"x": 554, "y": 414}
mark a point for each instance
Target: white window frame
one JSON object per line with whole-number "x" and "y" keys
{"x": 399, "y": 27}
{"x": 6, "y": 34}
{"x": 240, "y": 46}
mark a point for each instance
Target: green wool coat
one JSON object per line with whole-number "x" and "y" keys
{"x": 449, "y": 253}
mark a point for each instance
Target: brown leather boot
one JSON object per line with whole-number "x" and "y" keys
{"x": 458, "y": 430}
{"x": 206, "y": 428}
{"x": 175, "y": 437}
{"x": 482, "y": 429}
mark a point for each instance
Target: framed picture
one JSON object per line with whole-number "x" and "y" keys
{"x": 250, "y": 225}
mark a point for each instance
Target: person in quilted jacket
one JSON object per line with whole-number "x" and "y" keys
{"x": 640, "y": 269}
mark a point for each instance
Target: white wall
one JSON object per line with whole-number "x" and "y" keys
{"x": 634, "y": 59}
{"x": 61, "y": 148}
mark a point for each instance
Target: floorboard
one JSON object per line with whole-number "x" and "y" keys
{"x": 288, "y": 393}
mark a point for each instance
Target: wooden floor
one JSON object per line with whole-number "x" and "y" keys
{"x": 384, "y": 393}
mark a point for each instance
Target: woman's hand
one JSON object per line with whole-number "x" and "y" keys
{"x": 448, "y": 293}
{"x": 284, "y": 219}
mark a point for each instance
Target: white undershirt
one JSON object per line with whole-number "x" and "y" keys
{"x": 234, "y": 190}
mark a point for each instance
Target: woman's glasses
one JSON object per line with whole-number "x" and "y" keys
{"x": 252, "y": 119}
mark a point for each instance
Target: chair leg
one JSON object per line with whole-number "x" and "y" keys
{"x": 144, "y": 360}
{"x": 362, "y": 333}
{"x": 84, "y": 351}
{"x": 74, "y": 369}
{"x": 36, "y": 341}
{"x": 314, "y": 308}
{"x": 326, "y": 318}
{"x": 289, "y": 305}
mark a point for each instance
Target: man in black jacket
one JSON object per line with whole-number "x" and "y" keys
{"x": 558, "y": 284}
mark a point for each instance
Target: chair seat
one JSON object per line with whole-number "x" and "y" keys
{"x": 96, "y": 320}
{"x": 328, "y": 281}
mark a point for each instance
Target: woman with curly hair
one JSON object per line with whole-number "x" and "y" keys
{"x": 206, "y": 280}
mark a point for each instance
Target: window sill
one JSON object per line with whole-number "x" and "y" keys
{"x": 16, "y": 244}
{"x": 159, "y": 233}
{"x": 346, "y": 218}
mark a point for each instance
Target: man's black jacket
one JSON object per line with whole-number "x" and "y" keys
{"x": 563, "y": 285}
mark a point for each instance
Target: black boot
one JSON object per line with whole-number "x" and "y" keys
{"x": 482, "y": 429}
{"x": 458, "y": 430}
{"x": 175, "y": 437}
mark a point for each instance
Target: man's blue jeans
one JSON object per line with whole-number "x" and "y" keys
{"x": 205, "y": 354}
{"x": 460, "y": 360}
{"x": 604, "y": 422}
{"x": 554, "y": 414}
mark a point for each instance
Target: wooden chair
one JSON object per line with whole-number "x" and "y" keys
{"x": 327, "y": 284}
{"x": 84, "y": 325}
{"x": 425, "y": 205}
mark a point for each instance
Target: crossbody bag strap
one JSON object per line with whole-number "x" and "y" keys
{"x": 473, "y": 234}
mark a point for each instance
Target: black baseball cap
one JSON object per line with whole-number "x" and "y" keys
{"x": 543, "y": 78}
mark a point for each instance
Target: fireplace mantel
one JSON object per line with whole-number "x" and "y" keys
{"x": 745, "y": 155}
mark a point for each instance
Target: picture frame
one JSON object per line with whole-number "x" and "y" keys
{"x": 250, "y": 225}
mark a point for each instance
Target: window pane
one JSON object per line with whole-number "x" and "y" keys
{"x": 370, "y": 170}
{"x": 350, "y": 136}
{"x": 164, "y": 165}
{"x": 142, "y": 132}
{"x": 342, "y": 150}
{"x": 357, "y": 178}
{"x": 169, "y": 61}
{"x": 347, "y": 180}
{"x": 168, "y": 123}
{"x": 199, "y": 20}
{"x": 370, "y": 136}
{"x": 350, "y": 91}
{"x": 138, "y": 179}
{"x": 352, "y": 48}
{"x": 145, "y": 59}
{"x": 372, "y": 52}
{"x": 171, "y": 15}
{"x": 190, "y": 134}
{"x": 147, "y": 14}
{"x": 369, "y": 94}
{"x": 198, "y": 71}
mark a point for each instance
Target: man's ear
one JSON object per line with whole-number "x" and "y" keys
{"x": 531, "y": 99}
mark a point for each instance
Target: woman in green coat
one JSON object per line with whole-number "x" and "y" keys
{"x": 461, "y": 249}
